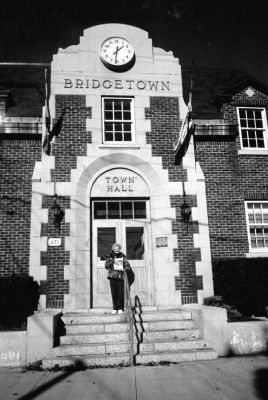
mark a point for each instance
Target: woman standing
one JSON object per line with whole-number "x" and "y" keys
{"x": 116, "y": 264}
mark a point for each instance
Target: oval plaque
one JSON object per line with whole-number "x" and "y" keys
{"x": 54, "y": 242}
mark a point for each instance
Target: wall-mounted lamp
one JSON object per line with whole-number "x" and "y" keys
{"x": 58, "y": 213}
{"x": 186, "y": 213}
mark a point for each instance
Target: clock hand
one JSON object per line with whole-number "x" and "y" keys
{"x": 117, "y": 49}
{"x": 116, "y": 52}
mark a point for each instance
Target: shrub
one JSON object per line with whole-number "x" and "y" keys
{"x": 243, "y": 284}
{"x": 232, "y": 313}
{"x": 19, "y": 295}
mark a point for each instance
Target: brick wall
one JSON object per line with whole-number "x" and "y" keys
{"x": 165, "y": 125}
{"x": 55, "y": 257}
{"x": 229, "y": 177}
{"x": 225, "y": 201}
{"x": 70, "y": 144}
{"x": 17, "y": 159}
{"x": 188, "y": 282}
{"x": 73, "y": 137}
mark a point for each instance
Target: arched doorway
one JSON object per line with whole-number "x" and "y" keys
{"x": 120, "y": 212}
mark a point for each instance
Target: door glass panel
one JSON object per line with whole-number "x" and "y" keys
{"x": 105, "y": 239}
{"x": 139, "y": 209}
{"x": 134, "y": 243}
{"x": 113, "y": 210}
{"x": 126, "y": 209}
{"x": 100, "y": 210}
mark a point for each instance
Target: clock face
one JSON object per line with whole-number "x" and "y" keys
{"x": 117, "y": 53}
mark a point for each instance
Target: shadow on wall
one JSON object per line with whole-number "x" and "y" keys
{"x": 261, "y": 374}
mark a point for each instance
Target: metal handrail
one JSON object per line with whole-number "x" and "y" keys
{"x": 129, "y": 313}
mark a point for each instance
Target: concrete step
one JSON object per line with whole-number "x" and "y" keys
{"x": 162, "y": 315}
{"x": 178, "y": 334}
{"x": 171, "y": 345}
{"x": 75, "y": 318}
{"x": 85, "y": 338}
{"x": 178, "y": 356}
{"x": 165, "y": 325}
{"x": 97, "y": 328}
{"x": 93, "y": 360}
{"x": 85, "y": 349}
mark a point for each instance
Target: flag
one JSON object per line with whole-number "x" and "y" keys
{"x": 46, "y": 146}
{"x": 184, "y": 137}
{"x": 50, "y": 133}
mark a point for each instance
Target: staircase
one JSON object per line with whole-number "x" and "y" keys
{"x": 102, "y": 339}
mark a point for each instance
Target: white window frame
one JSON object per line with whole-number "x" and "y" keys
{"x": 264, "y": 129}
{"x": 131, "y": 121}
{"x": 249, "y": 225}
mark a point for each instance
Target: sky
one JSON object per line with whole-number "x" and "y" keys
{"x": 212, "y": 33}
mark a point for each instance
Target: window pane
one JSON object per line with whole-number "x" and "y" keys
{"x": 108, "y": 127}
{"x": 118, "y": 136}
{"x": 139, "y": 209}
{"x": 259, "y": 123}
{"x": 105, "y": 240}
{"x": 245, "y": 143}
{"x": 108, "y": 104}
{"x": 258, "y": 218}
{"x": 251, "y": 123}
{"x": 109, "y": 136}
{"x": 108, "y": 115}
{"x": 258, "y": 232}
{"x": 100, "y": 210}
{"x": 113, "y": 210}
{"x": 258, "y": 114}
{"x": 118, "y": 115}
{"x": 118, "y": 127}
{"x": 250, "y": 114}
{"x": 127, "y": 136}
{"x": 117, "y": 105}
{"x": 127, "y": 105}
{"x": 242, "y": 113}
{"x": 126, "y": 209}
{"x": 260, "y": 143}
{"x": 127, "y": 127}
{"x": 253, "y": 243}
{"x": 251, "y": 219}
{"x": 251, "y": 134}
{"x": 127, "y": 115}
{"x": 243, "y": 123}
{"x": 252, "y": 143}
{"x": 260, "y": 243}
{"x": 134, "y": 243}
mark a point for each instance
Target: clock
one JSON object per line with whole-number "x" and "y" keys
{"x": 117, "y": 54}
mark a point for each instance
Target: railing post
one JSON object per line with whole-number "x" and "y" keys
{"x": 128, "y": 312}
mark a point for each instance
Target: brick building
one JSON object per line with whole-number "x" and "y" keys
{"x": 117, "y": 178}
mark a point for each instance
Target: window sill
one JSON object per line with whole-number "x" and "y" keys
{"x": 119, "y": 146}
{"x": 253, "y": 152}
{"x": 257, "y": 254}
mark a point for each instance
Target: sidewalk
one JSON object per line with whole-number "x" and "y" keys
{"x": 238, "y": 378}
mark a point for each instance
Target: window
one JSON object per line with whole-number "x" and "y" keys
{"x": 257, "y": 220}
{"x": 122, "y": 209}
{"x": 252, "y": 128}
{"x": 118, "y": 120}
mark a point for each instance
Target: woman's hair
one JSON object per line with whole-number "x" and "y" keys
{"x": 116, "y": 245}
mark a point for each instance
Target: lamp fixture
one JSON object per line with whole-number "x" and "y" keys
{"x": 58, "y": 213}
{"x": 185, "y": 212}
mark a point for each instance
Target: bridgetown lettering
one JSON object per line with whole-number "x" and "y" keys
{"x": 128, "y": 84}
{"x": 120, "y": 183}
